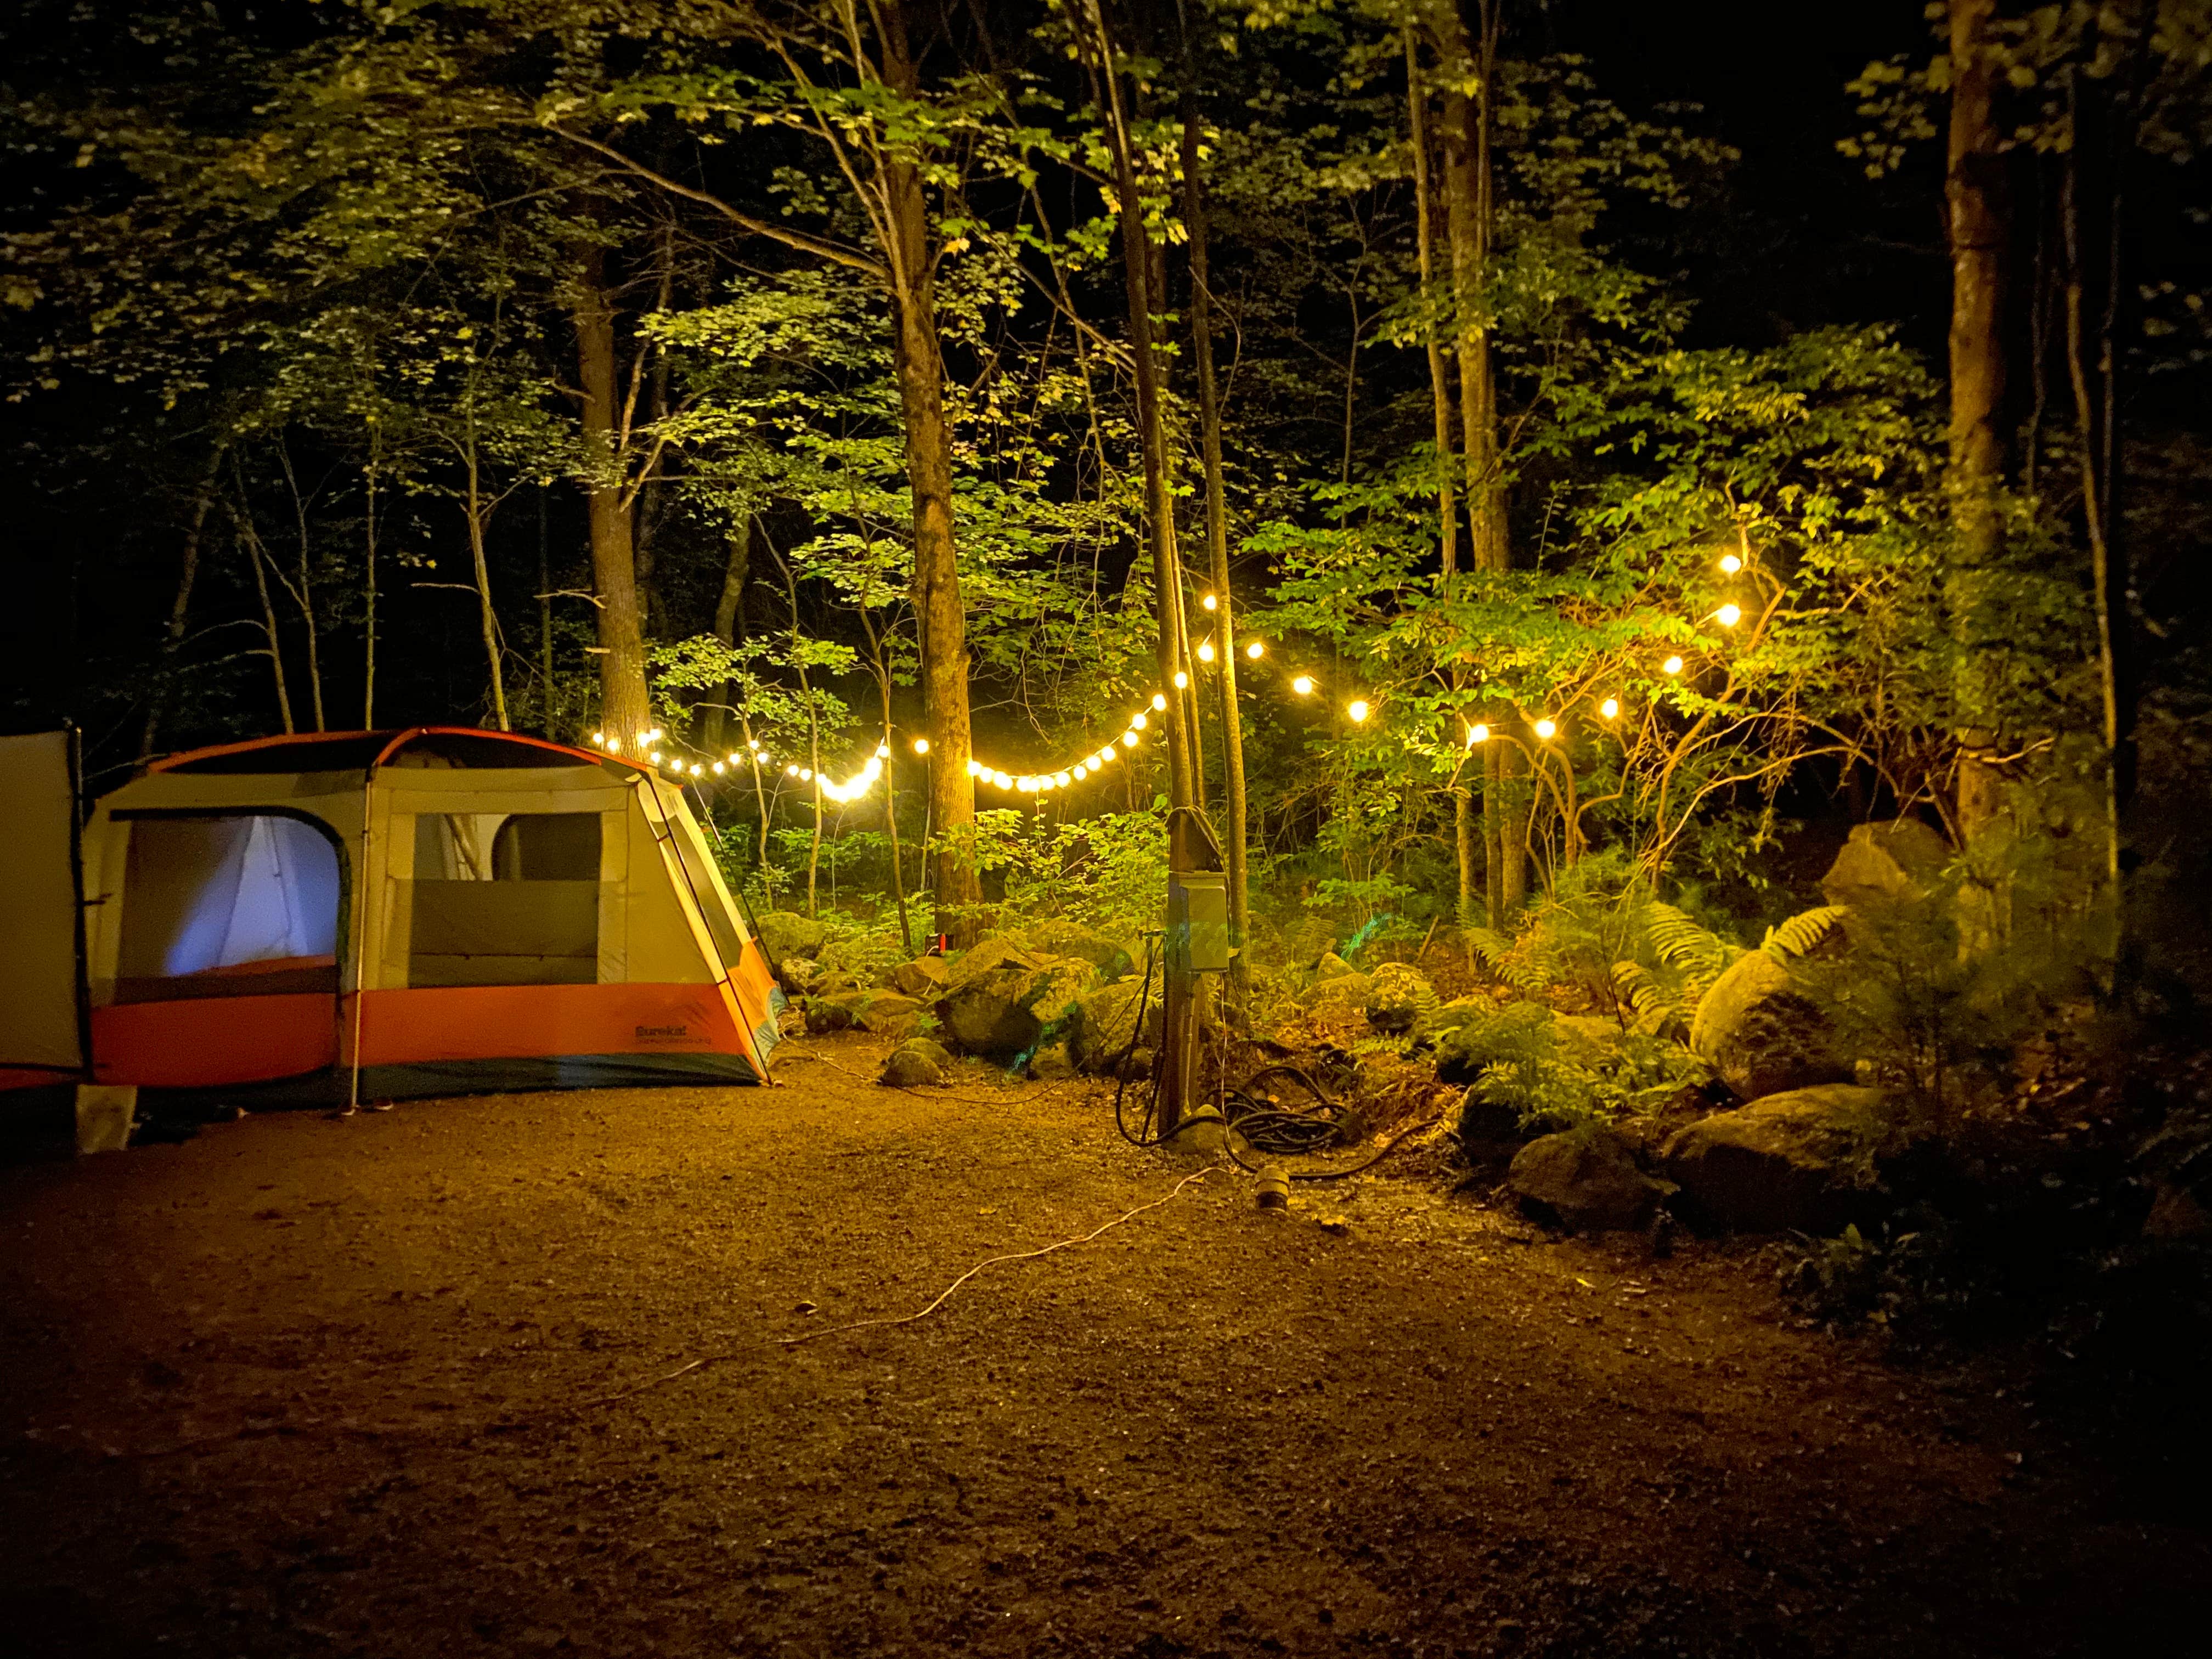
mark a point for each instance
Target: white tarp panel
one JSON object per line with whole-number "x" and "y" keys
{"x": 38, "y": 903}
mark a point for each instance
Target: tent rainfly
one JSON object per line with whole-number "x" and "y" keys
{"x": 376, "y": 914}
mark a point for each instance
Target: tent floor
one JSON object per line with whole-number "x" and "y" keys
{"x": 304, "y": 1387}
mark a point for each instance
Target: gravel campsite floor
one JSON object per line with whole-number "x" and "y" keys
{"x": 302, "y": 1386}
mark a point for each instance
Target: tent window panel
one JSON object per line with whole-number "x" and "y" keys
{"x": 505, "y": 933}
{"x": 547, "y": 847}
{"x": 234, "y": 904}
{"x": 506, "y": 898}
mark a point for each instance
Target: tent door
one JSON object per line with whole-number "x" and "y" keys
{"x": 42, "y": 1009}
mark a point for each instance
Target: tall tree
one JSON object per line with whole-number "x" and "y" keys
{"x": 854, "y": 81}
{"x": 625, "y": 710}
{"x": 1978, "y": 220}
{"x": 1470, "y": 81}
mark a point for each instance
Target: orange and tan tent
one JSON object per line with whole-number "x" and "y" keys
{"x": 373, "y": 915}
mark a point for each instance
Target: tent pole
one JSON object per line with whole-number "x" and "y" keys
{"x": 359, "y": 940}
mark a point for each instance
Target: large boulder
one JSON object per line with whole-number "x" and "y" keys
{"x": 1588, "y": 1039}
{"x": 839, "y": 1012}
{"x": 989, "y": 955}
{"x": 1052, "y": 1063}
{"x": 1112, "y": 957}
{"x": 1007, "y": 1010}
{"x": 914, "y": 1063}
{"x": 1805, "y": 1160}
{"x": 1885, "y": 864}
{"x": 1759, "y": 1031}
{"x": 787, "y": 933}
{"x": 1583, "y": 1179}
{"x": 1104, "y": 1020}
{"x": 923, "y": 977}
{"x": 798, "y": 976}
{"x": 888, "y": 1013}
{"x": 1329, "y": 966}
{"x": 1338, "y": 995}
{"x": 1397, "y": 997}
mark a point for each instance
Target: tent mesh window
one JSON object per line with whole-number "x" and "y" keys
{"x": 227, "y": 905}
{"x": 506, "y": 898}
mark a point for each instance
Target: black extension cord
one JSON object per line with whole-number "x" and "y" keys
{"x": 1266, "y": 1124}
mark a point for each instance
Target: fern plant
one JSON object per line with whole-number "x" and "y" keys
{"x": 1803, "y": 934}
{"x": 1604, "y": 932}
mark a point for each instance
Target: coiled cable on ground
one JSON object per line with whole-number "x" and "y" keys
{"x": 1261, "y": 1120}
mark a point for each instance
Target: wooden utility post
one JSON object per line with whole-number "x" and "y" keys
{"x": 1217, "y": 542}
{"x": 1189, "y": 841}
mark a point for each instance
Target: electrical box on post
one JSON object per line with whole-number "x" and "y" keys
{"x": 1198, "y": 921}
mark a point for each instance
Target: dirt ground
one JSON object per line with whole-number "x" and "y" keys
{"x": 303, "y": 1386}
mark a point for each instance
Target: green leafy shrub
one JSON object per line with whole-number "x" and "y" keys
{"x": 1522, "y": 1064}
{"x": 1107, "y": 872}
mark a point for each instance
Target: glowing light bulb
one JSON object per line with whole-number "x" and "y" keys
{"x": 1137, "y": 722}
{"x": 1210, "y": 603}
{"x": 653, "y": 736}
{"x": 1128, "y": 740}
{"x": 1205, "y": 651}
{"x": 1477, "y": 734}
{"x": 882, "y": 751}
{"x": 921, "y": 745}
{"x": 791, "y": 771}
{"x": 1730, "y": 563}
{"x": 1673, "y": 664}
{"x": 1181, "y": 680}
{"x": 1728, "y": 615}
{"x": 1159, "y": 700}
{"x": 1610, "y": 708}
{"x": 598, "y": 737}
{"x": 753, "y": 744}
{"x": 614, "y": 745}
{"x": 974, "y": 769}
{"x": 1545, "y": 729}
{"x": 1002, "y": 780}
{"x": 806, "y": 774}
{"x": 1256, "y": 650}
{"x": 1061, "y": 779}
{"x": 1358, "y": 713}
{"x": 1303, "y": 685}
{"x": 718, "y": 768}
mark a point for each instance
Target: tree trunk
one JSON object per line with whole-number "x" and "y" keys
{"x": 486, "y": 618}
{"x": 625, "y": 709}
{"x": 813, "y": 725}
{"x": 304, "y": 594}
{"x": 2091, "y": 214}
{"x": 1467, "y": 841}
{"x": 368, "y": 584}
{"x": 1217, "y": 541}
{"x": 1469, "y": 213}
{"x": 548, "y": 722}
{"x": 942, "y": 621}
{"x": 727, "y": 605}
{"x": 1975, "y": 198}
{"x": 173, "y": 641}
{"x": 254, "y": 552}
